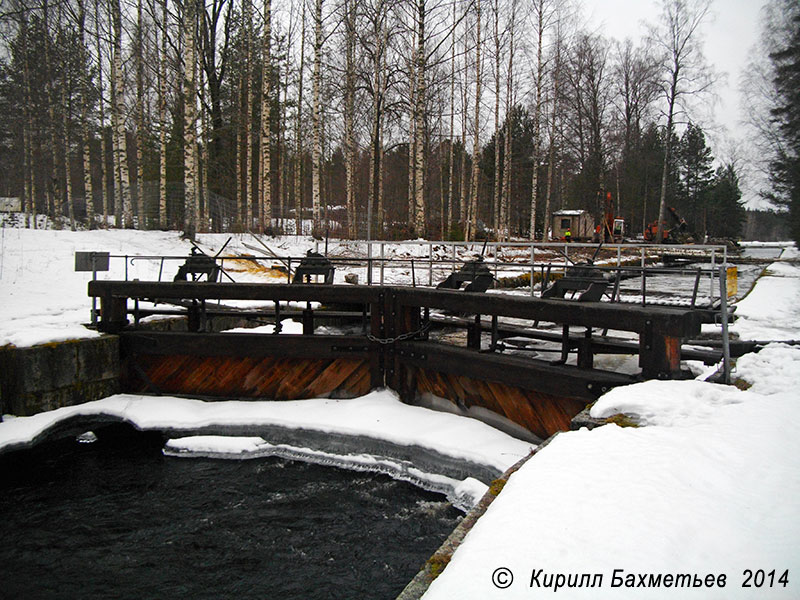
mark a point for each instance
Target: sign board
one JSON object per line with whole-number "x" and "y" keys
{"x": 91, "y": 261}
{"x": 732, "y": 281}
{"x": 8, "y": 204}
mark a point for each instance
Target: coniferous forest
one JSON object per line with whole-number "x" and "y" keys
{"x": 457, "y": 119}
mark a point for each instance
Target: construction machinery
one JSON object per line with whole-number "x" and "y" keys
{"x": 610, "y": 228}
{"x": 669, "y": 235}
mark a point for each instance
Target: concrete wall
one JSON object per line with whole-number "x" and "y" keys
{"x": 49, "y": 376}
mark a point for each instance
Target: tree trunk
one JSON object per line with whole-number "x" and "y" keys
{"x": 85, "y": 153}
{"x": 537, "y": 119}
{"x": 141, "y": 221}
{"x": 472, "y": 222}
{"x": 298, "y": 129}
{"x": 162, "y": 120}
{"x": 451, "y": 178}
{"x": 66, "y": 107}
{"x": 316, "y": 117}
{"x": 505, "y": 203}
{"x": 420, "y": 221}
{"x": 29, "y": 199}
{"x": 266, "y": 121}
{"x": 121, "y": 153}
{"x": 497, "y": 147}
{"x": 412, "y": 136}
{"x": 190, "y": 120}
{"x": 349, "y": 116}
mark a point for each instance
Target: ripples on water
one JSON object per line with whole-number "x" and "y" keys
{"x": 117, "y": 519}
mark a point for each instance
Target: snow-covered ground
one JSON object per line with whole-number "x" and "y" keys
{"x": 708, "y": 486}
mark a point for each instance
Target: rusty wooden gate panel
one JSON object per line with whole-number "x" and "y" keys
{"x": 232, "y": 377}
{"x": 543, "y": 414}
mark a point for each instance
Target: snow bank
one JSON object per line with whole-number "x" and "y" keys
{"x": 710, "y": 485}
{"x": 377, "y": 416}
{"x": 769, "y": 311}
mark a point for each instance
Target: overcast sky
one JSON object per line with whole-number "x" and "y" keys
{"x": 730, "y": 35}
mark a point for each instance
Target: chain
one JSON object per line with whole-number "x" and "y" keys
{"x": 402, "y": 337}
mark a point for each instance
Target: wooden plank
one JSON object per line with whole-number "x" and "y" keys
{"x": 246, "y": 377}
{"x": 522, "y": 372}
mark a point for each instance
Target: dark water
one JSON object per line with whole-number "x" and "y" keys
{"x": 117, "y": 519}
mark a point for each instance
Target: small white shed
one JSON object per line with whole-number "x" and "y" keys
{"x": 579, "y": 222}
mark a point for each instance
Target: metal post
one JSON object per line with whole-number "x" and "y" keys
{"x": 369, "y": 263}
{"x": 533, "y": 267}
{"x": 94, "y": 298}
{"x": 430, "y": 265}
{"x": 642, "y": 265}
{"x": 713, "y": 265}
{"x": 723, "y": 310}
{"x": 383, "y": 259}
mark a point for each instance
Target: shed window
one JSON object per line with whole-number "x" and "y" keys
{"x": 566, "y": 223}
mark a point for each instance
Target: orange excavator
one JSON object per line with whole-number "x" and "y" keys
{"x": 611, "y": 228}
{"x": 669, "y": 235}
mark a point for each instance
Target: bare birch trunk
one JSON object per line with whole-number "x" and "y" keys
{"x": 266, "y": 120}
{"x": 472, "y": 222}
{"x": 66, "y": 107}
{"x": 451, "y": 178}
{"x": 420, "y": 221}
{"x": 162, "y": 120}
{"x": 190, "y": 120}
{"x": 53, "y": 189}
{"x": 298, "y": 128}
{"x": 121, "y": 154}
{"x": 316, "y": 119}
{"x": 412, "y": 135}
{"x": 537, "y": 112}
{"x": 103, "y": 143}
{"x": 552, "y": 153}
{"x": 247, "y": 158}
{"x": 505, "y": 203}
{"x": 85, "y": 150}
{"x": 497, "y": 178}
{"x": 349, "y": 115}
{"x": 28, "y": 200}
{"x": 139, "y": 196}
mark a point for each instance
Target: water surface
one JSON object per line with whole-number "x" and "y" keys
{"x": 118, "y": 519}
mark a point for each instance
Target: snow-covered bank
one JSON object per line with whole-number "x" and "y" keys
{"x": 436, "y": 450}
{"x": 709, "y": 486}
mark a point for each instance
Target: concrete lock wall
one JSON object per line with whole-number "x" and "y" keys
{"x": 49, "y": 376}
{"x": 45, "y": 377}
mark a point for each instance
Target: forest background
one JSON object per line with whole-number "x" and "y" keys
{"x": 445, "y": 119}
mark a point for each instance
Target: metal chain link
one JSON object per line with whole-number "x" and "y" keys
{"x": 402, "y": 337}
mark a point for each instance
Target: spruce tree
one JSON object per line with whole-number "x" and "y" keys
{"x": 785, "y": 168}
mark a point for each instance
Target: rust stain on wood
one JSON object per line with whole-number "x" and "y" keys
{"x": 276, "y": 378}
{"x": 543, "y": 414}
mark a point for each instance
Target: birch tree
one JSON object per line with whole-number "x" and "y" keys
{"x": 684, "y": 71}
{"x": 349, "y": 113}
{"x": 505, "y": 201}
{"x": 472, "y": 220}
{"x": 123, "y": 212}
{"x": 266, "y": 120}
{"x": 316, "y": 116}
{"x": 190, "y": 119}
{"x": 162, "y": 118}
{"x": 298, "y": 130}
